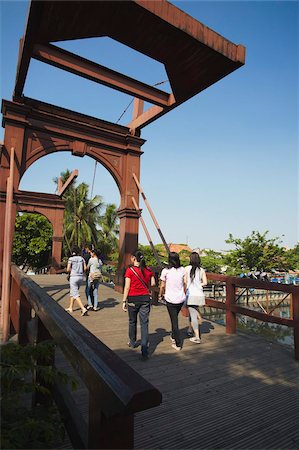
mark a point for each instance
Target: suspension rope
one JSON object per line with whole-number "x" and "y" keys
{"x": 122, "y": 114}
{"x": 126, "y": 109}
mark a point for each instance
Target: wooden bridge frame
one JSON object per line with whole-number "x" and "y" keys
{"x": 34, "y": 129}
{"x": 115, "y": 391}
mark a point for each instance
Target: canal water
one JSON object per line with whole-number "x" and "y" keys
{"x": 270, "y": 331}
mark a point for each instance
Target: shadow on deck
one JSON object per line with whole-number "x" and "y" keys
{"x": 231, "y": 392}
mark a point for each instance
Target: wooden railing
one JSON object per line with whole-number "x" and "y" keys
{"x": 115, "y": 390}
{"x": 231, "y": 307}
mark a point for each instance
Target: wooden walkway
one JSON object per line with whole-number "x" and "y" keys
{"x": 230, "y": 392}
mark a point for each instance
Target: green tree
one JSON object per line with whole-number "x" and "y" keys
{"x": 82, "y": 214}
{"x": 255, "y": 252}
{"x": 292, "y": 257}
{"x": 212, "y": 261}
{"x": 32, "y": 241}
{"x": 149, "y": 255}
{"x": 109, "y": 231}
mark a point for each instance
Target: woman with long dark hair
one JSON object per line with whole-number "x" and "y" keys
{"x": 173, "y": 286}
{"x": 196, "y": 279}
{"x": 136, "y": 299}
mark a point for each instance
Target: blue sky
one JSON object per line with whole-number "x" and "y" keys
{"x": 226, "y": 161}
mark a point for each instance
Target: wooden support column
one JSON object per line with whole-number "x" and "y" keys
{"x": 108, "y": 433}
{"x": 295, "y": 301}
{"x": 231, "y": 323}
{"x": 14, "y": 306}
{"x": 128, "y": 242}
{"x": 8, "y": 234}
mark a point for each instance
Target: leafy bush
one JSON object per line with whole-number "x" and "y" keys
{"x": 23, "y": 425}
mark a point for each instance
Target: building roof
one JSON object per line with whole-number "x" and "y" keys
{"x": 179, "y": 247}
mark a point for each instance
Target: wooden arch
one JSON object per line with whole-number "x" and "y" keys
{"x": 194, "y": 56}
{"x": 36, "y": 129}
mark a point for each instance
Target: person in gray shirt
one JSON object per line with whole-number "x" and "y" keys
{"x": 76, "y": 267}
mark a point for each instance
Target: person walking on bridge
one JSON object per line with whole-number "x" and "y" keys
{"x": 136, "y": 299}
{"x": 173, "y": 286}
{"x": 93, "y": 267}
{"x": 196, "y": 279}
{"x": 76, "y": 267}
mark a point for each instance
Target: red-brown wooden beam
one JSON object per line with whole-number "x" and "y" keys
{"x": 70, "y": 62}
{"x": 69, "y": 181}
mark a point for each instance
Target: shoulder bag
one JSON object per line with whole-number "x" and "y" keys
{"x": 142, "y": 281}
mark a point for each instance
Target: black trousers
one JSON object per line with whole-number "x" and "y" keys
{"x": 173, "y": 311}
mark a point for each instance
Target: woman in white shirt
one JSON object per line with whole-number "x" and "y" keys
{"x": 196, "y": 279}
{"x": 173, "y": 283}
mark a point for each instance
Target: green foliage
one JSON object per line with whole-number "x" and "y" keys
{"x": 212, "y": 261}
{"x": 83, "y": 222}
{"x": 255, "y": 252}
{"x": 292, "y": 257}
{"x": 25, "y": 426}
{"x": 109, "y": 231}
{"x": 32, "y": 240}
{"x": 149, "y": 255}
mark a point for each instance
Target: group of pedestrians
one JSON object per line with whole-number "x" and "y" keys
{"x": 84, "y": 263}
{"x": 179, "y": 286}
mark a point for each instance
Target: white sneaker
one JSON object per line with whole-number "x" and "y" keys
{"x": 96, "y": 308}
{"x": 176, "y": 348}
{"x": 84, "y": 312}
{"x": 195, "y": 340}
{"x": 69, "y": 310}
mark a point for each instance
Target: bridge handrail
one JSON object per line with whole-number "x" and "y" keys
{"x": 231, "y": 308}
{"x": 120, "y": 389}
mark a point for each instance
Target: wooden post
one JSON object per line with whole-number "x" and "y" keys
{"x": 108, "y": 433}
{"x": 43, "y": 335}
{"x": 14, "y": 306}
{"x": 231, "y": 323}
{"x": 5, "y": 295}
{"x": 295, "y": 301}
{"x": 24, "y": 317}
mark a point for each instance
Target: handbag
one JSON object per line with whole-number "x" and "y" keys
{"x": 95, "y": 276}
{"x": 185, "y": 310}
{"x": 140, "y": 279}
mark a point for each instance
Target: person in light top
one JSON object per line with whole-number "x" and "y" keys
{"x": 136, "y": 299}
{"x": 76, "y": 267}
{"x": 196, "y": 278}
{"x": 94, "y": 265}
{"x": 173, "y": 285}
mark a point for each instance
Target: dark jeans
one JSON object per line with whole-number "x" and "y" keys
{"x": 173, "y": 311}
{"x": 142, "y": 308}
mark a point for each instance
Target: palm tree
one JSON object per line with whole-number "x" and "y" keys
{"x": 109, "y": 230}
{"x": 81, "y": 216}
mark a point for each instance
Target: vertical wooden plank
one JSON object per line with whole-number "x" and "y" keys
{"x": 295, "y": 302}
{"x": 24, "y": 317}
{"x": 14, "y": 306}
{"x": 43, "y": 335}
{"x": 231, "y": 323}
{"x": 108, "y": 433}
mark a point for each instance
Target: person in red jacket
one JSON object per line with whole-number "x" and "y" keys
{"x": 136, "y": 299}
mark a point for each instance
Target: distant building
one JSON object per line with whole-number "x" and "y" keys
{"x": 179, "y": 248}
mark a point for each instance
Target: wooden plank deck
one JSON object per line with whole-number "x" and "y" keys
{"x": 230, "y": 392}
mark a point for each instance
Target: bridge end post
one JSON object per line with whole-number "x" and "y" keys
{"x": 295, "y": 303}
{"x": 108, "y": 432}
{"x": 230, "y": 316}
